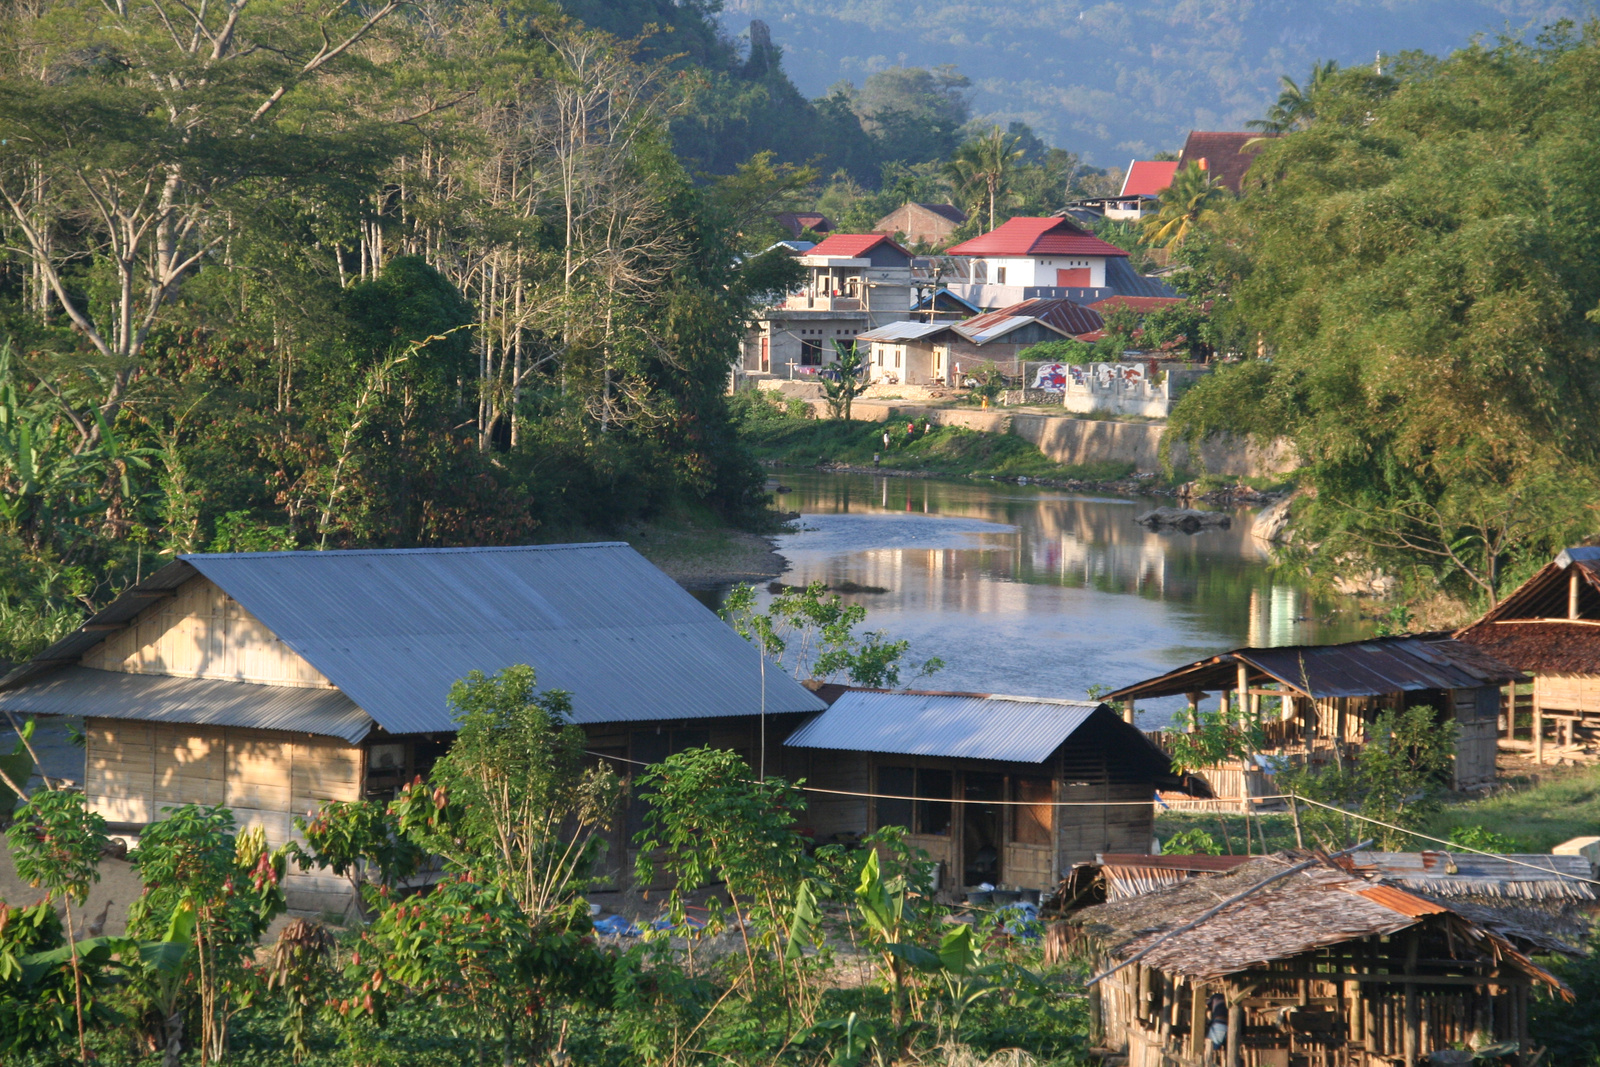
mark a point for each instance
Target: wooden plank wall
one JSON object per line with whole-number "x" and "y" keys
{"x": 201, "y": 632}
{"x": 1477, "y": 715}
{"x": 136, "y": 770}
{"x": 1578, "y": 693}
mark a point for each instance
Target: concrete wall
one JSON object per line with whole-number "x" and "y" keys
{"x": 1075, "y": 442}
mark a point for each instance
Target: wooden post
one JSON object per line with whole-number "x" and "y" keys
{"x": 1511, "y": 711}
{"x": 1409, "y": 1040}
{"x": 1538, "y": 726}
{"x": 1096, "y": 1023}
{"x": 1235, "y": 1024}
{"x": 1572, "y": 594}
{"x": 1244, "y": 690}
{"x": 1294, "y": 810}
{"x": 1197, "y": 1020}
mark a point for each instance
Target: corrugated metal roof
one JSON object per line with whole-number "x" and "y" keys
{"x": 1534, "y": 876}
{"x": 1123, "y": 280}
{"x": 1147, "y": 177}
{"x": 854, "y": 245}
{"x": 211, "y": 702}
{"x": 903, "y": 331}
{"x": 393, "y": 629}
{"x": 1061, "y": 315}
{"x": 1359, "y": 668}
{"x": 1401, "y": 901}
{"x": 969, "y": 725}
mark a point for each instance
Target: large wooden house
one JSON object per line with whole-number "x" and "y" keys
{"x": 1321, "y": 699}
{"x": 270, "y": 682}
{"x": 1550, "y": 628}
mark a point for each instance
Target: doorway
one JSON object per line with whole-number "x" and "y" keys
{"x": 983, "y": 828}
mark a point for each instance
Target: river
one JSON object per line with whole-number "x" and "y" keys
{"x": 1044, "y": 592}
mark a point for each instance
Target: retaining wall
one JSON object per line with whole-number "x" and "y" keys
{"x": 1076, "y": 442}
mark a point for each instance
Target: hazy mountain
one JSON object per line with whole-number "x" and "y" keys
{"x": 1116, "y": 80}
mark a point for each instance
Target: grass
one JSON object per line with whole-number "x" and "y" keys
{"x": 951, "y": 450}
{"x": 1538, "y": 815}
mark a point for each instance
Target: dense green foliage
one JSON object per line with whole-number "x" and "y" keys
{"x": 1412, "y": 280}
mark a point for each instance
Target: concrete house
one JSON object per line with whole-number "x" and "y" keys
{"x": 1049, "y": 259}
{"x": 270, "y": 682}
{"x": 929, "y": 353}
{"x": 855, "y": 282}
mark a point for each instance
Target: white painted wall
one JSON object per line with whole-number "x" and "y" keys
{"x": 1041, "y": 270}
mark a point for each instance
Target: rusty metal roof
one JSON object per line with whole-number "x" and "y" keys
{"x": 1359, "y": 668}
{"x": 1401, "y": 901}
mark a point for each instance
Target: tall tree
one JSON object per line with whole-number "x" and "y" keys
{"x": 983, "y": 169}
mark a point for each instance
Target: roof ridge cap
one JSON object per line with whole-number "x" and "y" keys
{"x": 189, "y": 557}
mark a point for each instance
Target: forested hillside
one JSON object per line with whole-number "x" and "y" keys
{"x": 281, "y": 278}
{"x": 1111, "y": 81}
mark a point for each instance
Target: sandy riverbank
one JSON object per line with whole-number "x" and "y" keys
{"x": 698, "y": 558}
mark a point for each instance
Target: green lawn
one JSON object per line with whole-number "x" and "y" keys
{"x": 1563, "y": 804}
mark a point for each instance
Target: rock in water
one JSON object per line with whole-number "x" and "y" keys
{"x": 1272, "y": 525}
{"x": 1188, "y": 520}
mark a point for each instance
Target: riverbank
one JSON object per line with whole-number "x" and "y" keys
{"x": 704, "y": 557}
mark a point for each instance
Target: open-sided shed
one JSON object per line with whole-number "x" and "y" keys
{"x": 1328, "y": 694}
{"x": 1318, "y": 964}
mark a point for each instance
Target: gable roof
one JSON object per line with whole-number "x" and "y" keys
{"x": 904, "y": 330}
{"x": 1147, "y": 177}
{"x": 1061, "y": 315}
{"x": 1358, "y": 668}
{"x": 1530, "y": 629}
{"x": 947, "y": 299}
{"x": 1030, "y": 236}
{"x": 394, "y": 629}
{"x": 854, "y": 245}
{"x": 949, "y": 211}
{"x": 1224, "y": 154}
{"x": 797, "y": 221}
{"x": 959, "y": 725}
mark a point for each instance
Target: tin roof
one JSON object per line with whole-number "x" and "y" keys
{"x": 1359, "y": 668}
{"x": 1443, "y": 873}
{"x": 1123, "y": 280}
{"x": 1223, "y": 153}
{"x": 394, "y": 629}
{"x": 964, "y": 725}
{"x": 1147, "y": 177}
{"x": 903, "y": 331}
{"x": 206, "y": 701}
{"x": 1063, "y": 316}
{"x": 1032, "y": 236}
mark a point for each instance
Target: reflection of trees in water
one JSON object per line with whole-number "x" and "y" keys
{"x": 1222, "y": 576}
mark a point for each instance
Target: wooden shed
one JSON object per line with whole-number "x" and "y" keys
{"x": 1320, "y": 699}
{"x": 1005, "y": 790}
{"x": 1318, "y": 965}
{"x": 270, "y": 682}
{"x": 1549, "y": 627}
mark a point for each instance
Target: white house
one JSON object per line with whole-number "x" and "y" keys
{"x": 1037, "y": 258}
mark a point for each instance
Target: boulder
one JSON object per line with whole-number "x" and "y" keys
{"x": 1272, "y": 524}
{"x": 1189, "y": 520}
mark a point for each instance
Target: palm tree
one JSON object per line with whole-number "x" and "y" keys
{"x": 1190, "y": 201}
{"x": 984, "y": 167}
{"x": 1295, "y": 108}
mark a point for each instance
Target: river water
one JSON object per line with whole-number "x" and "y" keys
{"x": 1044, "y": 592}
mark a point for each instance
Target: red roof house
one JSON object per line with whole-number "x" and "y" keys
{"x": 1147, "y": 177}
{"x": 1139, "y": 305}
{"x": 1064, "y": 317}
{"x": 856, "y": 246}
{"x": 1036, "y": 237}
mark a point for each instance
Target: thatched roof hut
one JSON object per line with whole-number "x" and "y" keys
{"x": 1318, "y": 963}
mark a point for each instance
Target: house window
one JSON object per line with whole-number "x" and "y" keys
{"x": 999, "y": 275}
{"x": 897, "y": 354}
{"x": 1033, "y": 816}
{"x": 810, "y": 353}
{"x": 929, "y": 813}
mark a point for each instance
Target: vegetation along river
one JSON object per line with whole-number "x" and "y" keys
{"x": 1044, "y": 592}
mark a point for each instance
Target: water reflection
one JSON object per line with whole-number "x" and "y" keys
{"x": 1040, "y": 591}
